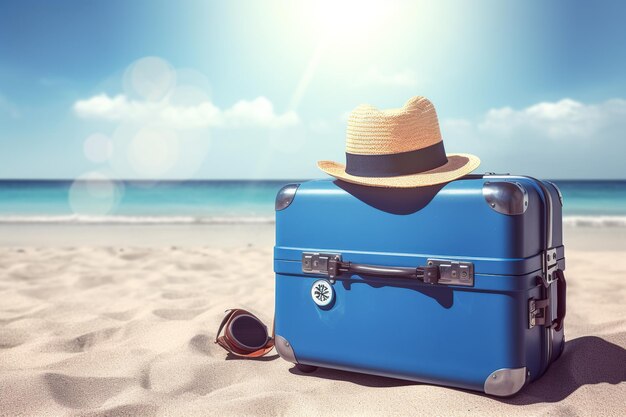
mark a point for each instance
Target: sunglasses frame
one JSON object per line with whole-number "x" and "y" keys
{"x": 235, "y": 347}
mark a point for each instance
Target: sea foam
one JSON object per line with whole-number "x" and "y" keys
{"x": 595, "y": 221}
{"x": 571, "y": 221}
{"x": 85, "y": 219}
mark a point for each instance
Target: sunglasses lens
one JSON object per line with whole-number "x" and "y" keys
{"x": 249, "y": 332}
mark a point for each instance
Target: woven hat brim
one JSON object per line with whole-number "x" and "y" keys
{"x": 458, "y": 165}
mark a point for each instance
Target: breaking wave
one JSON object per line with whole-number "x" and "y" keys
{"x": 595, "y": 221}
{"x": 571, "y": 221}
{"x": 83, "y": 219}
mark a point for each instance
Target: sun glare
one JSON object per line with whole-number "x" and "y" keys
{"x": 346, "y": 25}
{"x": 347, "y": 18}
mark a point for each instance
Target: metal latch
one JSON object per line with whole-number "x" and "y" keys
{"x": 538, "y": 313}
{"x": 549, "y": 265}
{"x": 320, "y": 263}
{"x": 453, "y": 272}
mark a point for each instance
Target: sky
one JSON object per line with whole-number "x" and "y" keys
{"x": 262, "y": 90}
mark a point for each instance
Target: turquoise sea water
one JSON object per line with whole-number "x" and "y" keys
{"x": 586, "y": 202}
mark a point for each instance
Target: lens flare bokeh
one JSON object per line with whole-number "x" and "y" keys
{"x": 150, "y": 78}
{"x": 98, "y": 148}
{"x": 94, "y": 194}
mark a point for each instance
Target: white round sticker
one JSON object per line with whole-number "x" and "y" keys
{"x": 322, "y": 292}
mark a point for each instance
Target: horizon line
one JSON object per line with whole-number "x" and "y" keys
{"x": 248, "y": 179}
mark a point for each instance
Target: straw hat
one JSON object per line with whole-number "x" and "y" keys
{"x": 398, "y": 148}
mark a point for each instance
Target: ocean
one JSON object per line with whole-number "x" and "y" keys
{"x": 586, "y": 203}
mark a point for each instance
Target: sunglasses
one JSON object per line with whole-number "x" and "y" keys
{"x": 244, "y": 334}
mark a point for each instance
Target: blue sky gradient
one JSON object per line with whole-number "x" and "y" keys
{"x": 531, "y": 87}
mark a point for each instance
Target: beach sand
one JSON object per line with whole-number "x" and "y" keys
{"x": 116, "y": 320}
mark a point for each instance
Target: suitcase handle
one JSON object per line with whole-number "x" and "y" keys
{"x": 388, "y": 271}
{"x": 561, "y": 291}
{"x": 436, "y": 271}
{"x": 427, "y": 274}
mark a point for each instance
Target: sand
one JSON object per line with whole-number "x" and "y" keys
{"x": 100, "y": 321}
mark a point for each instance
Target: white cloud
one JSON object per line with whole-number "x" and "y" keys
{"x": 559, "y": 139}
{"x": 245, "y": 113}
{"x": 562, "y": 120}
{"x": 258, "y": 112}
{"x": 403, "y": 78}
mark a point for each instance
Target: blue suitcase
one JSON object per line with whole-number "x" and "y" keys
{"x": 458, "y": 284}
